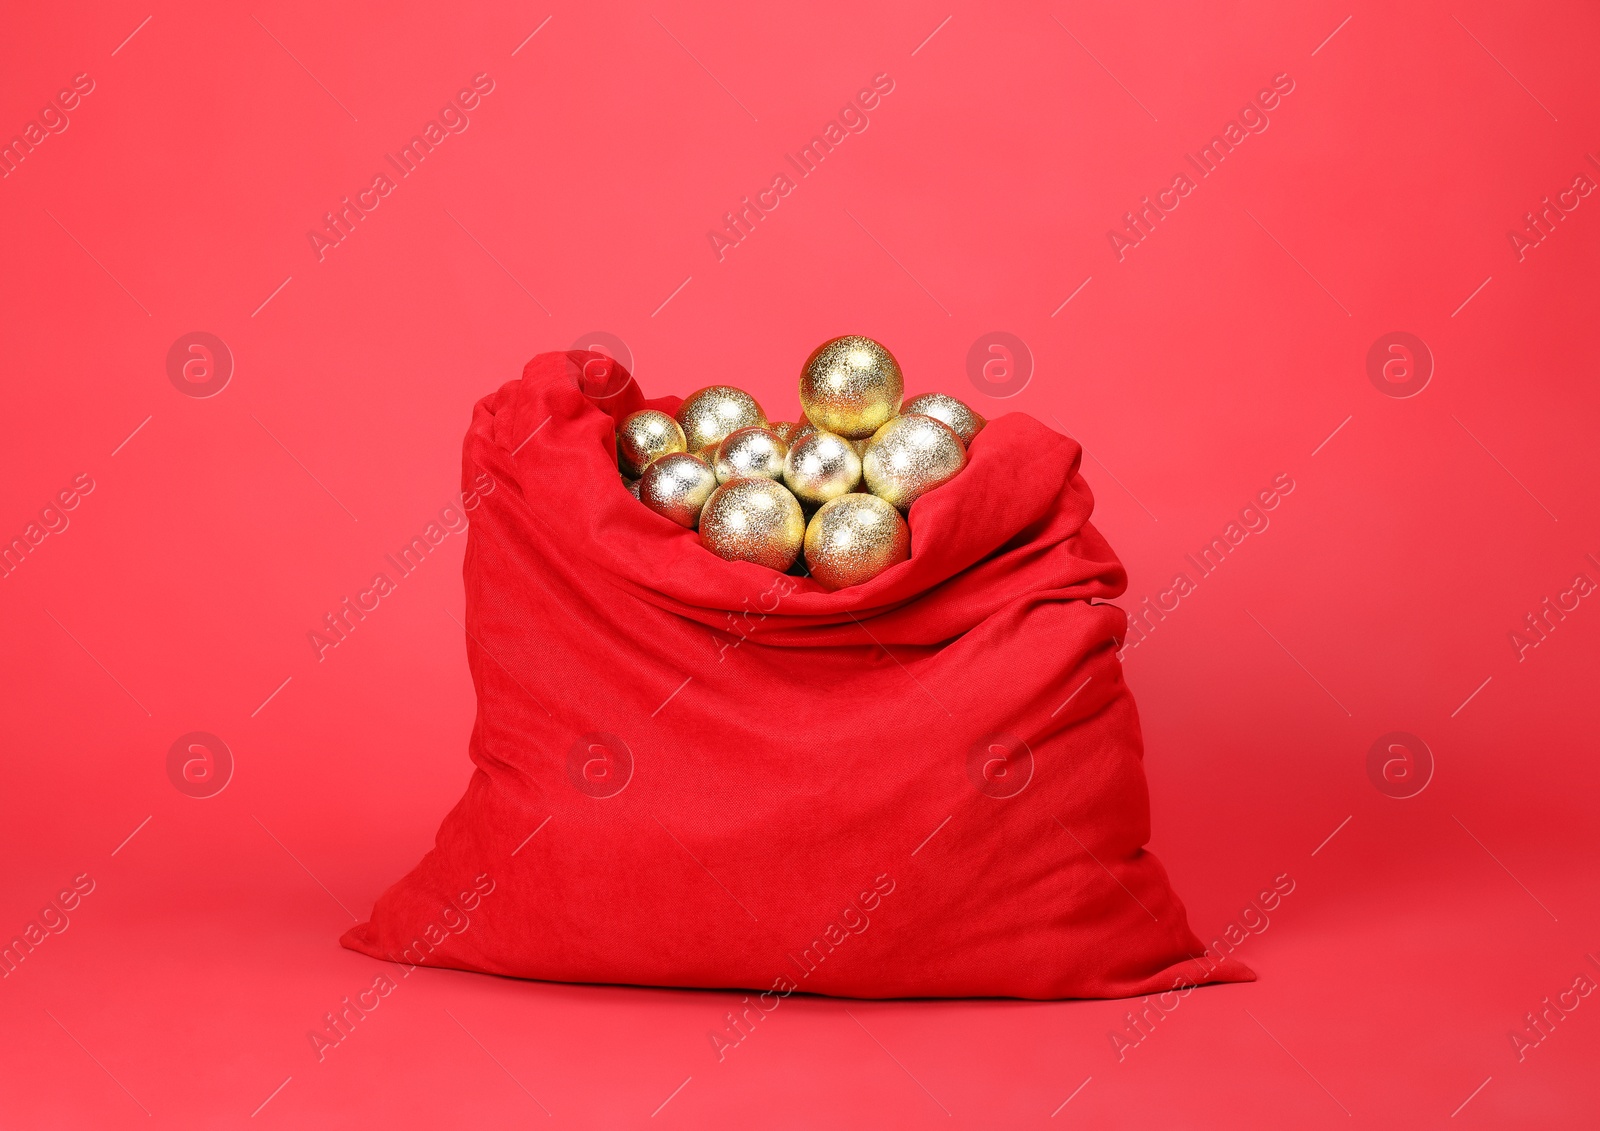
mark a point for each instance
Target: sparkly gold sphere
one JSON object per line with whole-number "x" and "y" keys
{"x": 785, "y": 431}
{"x": 710, "y": 414}
{"x": 821, "y": 466}
{"x": 645, "y": 436}
{"x": 677, "y": 486}
{"x": 947, "y": 410}
{"x": 850, "y": 386}
{"x": 753, "y": 520}
{"x": 853, "y": 539}
{"x": 910, "y": 456}
{"x": 750, "y": 452}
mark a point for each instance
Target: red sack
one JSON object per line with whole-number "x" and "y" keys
{"x": 694, "y": 772}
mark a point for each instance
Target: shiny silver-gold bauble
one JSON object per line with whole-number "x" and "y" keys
{"x": 756, "y": 452}
{"x": 784, "y": 430}
{"x": 861, "y": 452}
{"x": 910, "y": 456}
{"x": 946, "y": 409}
{"x": 644, "y": 437}
{"x": 850, "y": 386}
{"x": 710, "y": 414}
{"x": 677, "y": 486}
{"x": 632, "y": 485}
{"x": 753, "y": 520}
{"x": 821, "y": 466}
{"x": 853, "y": 539}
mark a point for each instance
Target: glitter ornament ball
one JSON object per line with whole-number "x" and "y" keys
{"x": 853, "y": 539}
{"x": 644, "y": 437}
{"x": 632, "y": 485}
{"x": 785, "y": 431}
{"x": 756, "y": 452}
{"x": 677, "y": 486}
{"x": 710, "y": 414}
{"x": 821, "y": 466}
{"x": 910, "y": 456}
{"x": 753, "y": 520}
{"x": 946, "y": 409}
{"x": 850, "y": 386}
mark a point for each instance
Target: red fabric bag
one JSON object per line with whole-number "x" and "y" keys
{"x": 694, "y": 772}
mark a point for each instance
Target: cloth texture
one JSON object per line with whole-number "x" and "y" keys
{"x": 700, "y": 773}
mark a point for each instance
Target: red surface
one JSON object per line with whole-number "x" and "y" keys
{"x": 745, "y": 826}
{"x": 1223, "y": 350}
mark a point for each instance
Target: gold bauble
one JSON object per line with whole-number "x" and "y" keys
{"x": 677, "y": 486}
{"x": 910, "y": 456}
{"x": 853, "y": 539}
{"x": 946, "y": 409}
{"x": 750, "y": 452}
{"x": 783, "y": 430}
{"x": 645, "y": 436}
{"x": 850, "y": 386}
{"x": 821, "y": 466}
{"x": 710, "y": 414}
{"x": 861, "y": 452}
{"x": 753, "y": 520}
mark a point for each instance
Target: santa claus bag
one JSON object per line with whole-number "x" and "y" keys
{"x": 695, "y": 772}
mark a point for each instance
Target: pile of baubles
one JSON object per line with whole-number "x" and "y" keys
{"x": 827, "y": 494}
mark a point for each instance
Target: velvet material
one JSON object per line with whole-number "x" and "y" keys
{"x": 692, "y": 772}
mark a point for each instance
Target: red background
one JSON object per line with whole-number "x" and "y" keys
{"x": 1224, "y": 350}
